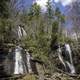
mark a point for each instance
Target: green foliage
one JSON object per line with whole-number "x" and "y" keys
{"x": 34, "y": 11}
{"x": 39, "y": 46}
{"x": 55, "y": 27}
{"x": 60, "y": 17}
{"x": 42, "y": 30}
{"x": 49, "y": 10}
{"x": 4, "y": 8}
{"x": 28, "y": 77}
{"x": 55, "y": 31}
{"x": 5, "y": 30}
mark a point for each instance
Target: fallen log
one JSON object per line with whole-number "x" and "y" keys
{"x": 69, "y": 74}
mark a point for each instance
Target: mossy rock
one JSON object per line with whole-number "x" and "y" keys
{"x": 29, "y": 77}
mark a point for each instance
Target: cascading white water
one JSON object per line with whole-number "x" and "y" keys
{"x": 66, "y": 63}
{"x": 21, "y": 32}
{"x": 19, "y": 63}
{"x": 24, "y": 32}
{"x": 18, "y": 68}
{"x": 70, "y": 64}
{"x": 28, "y": 57}
{"x": 60, "y": 57}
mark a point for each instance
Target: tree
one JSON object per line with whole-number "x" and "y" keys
{"x": 4, "y": 14}
{"x": 54, "y": 36}
{"x": 4, "y": 8}
{"x": 50, "y": 10}
{"x": 35, "y": 11}
{"x": 59, "y": 20}
{"x": 49, "y": 17}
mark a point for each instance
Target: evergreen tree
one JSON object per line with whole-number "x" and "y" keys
{"x": 35, "y": 11}
{"x": 49, "y": 9}
{"x": 4, "y": 8}
{"x": 59, "y": 19}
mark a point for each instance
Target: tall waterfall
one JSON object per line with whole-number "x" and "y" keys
{"x": 66, "y": 60}
{"x": 18, "y": 61}
{"x": 61, "y": 57}
{"x": 28, "y": 57}
{"x": 20, "y": 64}
{"x": 70, "y": 64}
{"x": 19, "y": 67}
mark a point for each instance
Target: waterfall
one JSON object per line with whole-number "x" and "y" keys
{"x": 28, "y": 57}
{"x": 61, "y": 57}
{"x": 19, "y": 63}
{"x": 20, "y": 58}
{"x": 66, "y": 60}
{"x": 21, "y": 32}
{"x": 69, "y": 53}
{"x": 24, "y": 32}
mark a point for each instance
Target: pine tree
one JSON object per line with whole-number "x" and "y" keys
{"x": 35, "y": 11}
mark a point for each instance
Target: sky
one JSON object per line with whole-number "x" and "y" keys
{"x": 62, "y": 4}
{"x": 65, "y": 2}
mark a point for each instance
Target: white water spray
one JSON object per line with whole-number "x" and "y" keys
{"x": 70, "y": 64}
{"x": 21, "y": 32}
{"x": 24, "y": 32}
{"x": 66, "y": 63}
{"x": 18, "y": 69}
{"x": 28, "y": 62}
{"x": 60, "y": 57}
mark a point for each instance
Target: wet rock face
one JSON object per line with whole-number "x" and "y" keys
{"x": 65, "y": 56}
{"x": 3, "y": 54}
{"x": 6, "y": 62}
{"x": 54, "y": 47}
{"x": 76, "y": 60}
{"x": 15, "y": 61}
